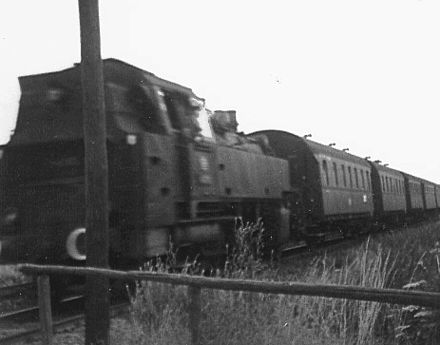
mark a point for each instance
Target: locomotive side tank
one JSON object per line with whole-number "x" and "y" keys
{"x": 169, "y": 178}
{"x": 331, "y": 187}
{"x": 388, "y": 193}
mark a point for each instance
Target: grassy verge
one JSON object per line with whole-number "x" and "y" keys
{"x": 409, "y": 258}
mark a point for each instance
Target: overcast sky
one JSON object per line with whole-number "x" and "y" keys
{"x": 362, "y": 74}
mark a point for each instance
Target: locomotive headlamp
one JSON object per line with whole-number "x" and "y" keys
{"x": 75, "y": 244}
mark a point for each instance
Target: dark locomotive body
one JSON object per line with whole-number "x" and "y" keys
{"x": 169, "y": 179}
{"x": 179, "y": 174}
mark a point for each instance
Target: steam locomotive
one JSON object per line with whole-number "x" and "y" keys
{"x": 178, "y": 174}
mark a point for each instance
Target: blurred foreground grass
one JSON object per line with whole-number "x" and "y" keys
{"x": 159, "y": 311}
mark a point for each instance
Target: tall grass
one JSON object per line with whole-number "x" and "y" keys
{"x": 159, "y": 311}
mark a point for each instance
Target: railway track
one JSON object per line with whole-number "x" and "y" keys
{"x": 16, "y": 290}
{"x": 59, "y": 324}
{"x": 31, "y": 313}
{"x": 330, "y": 243}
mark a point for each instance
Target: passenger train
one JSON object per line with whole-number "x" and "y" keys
{"x": 179, "y": 174}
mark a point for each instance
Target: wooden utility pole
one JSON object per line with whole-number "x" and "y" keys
{"x": 96, "y": 173}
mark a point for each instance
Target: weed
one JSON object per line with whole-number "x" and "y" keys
{"x": 160, "y": 310}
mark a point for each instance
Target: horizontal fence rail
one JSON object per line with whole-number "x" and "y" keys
{"x": 393, "y": 296}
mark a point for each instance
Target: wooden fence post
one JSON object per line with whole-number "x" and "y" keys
{"x": 45, "y": 309}
{"x": 194, "y": 313}
{"x": 95, "y": 173}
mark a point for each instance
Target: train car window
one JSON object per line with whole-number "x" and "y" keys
{"x": 174, "y": 106}
{"x": 363, "y": 179}
{"x": 335, "y": 170}
{"x": 356, "y": 178}
{"x": 383, "y": 183}
{"x": 368, "y": 180}
{"x": 387, "y": 185}
{"x": 200, "y": 121}
{"x": 146, "y": 112}
{"x": 350, "y": 177}
{"x": 344, "y": 177}
{"x": 325, "y": 169}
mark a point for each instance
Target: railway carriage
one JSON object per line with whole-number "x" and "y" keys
{"x": 388, "y": 193}
{"x": 332, "y": 188}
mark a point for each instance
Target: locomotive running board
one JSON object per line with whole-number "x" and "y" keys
{"x": 206, "y": 220}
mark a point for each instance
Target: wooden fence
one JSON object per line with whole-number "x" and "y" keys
{"x": 196, "y": 283}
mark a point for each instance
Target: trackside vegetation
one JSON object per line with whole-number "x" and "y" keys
{"x": 408, "y": 259}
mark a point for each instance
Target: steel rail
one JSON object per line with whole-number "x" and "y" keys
{"x": 58, "y": 325}
{"x": 16, "y": 289}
